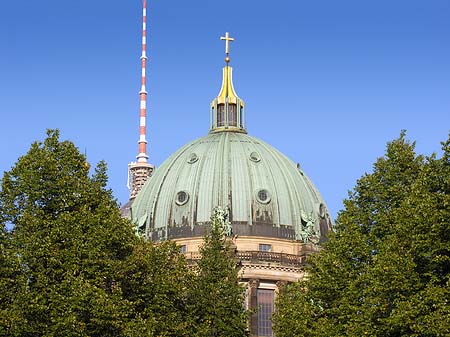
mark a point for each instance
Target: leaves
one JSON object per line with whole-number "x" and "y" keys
{"x": 385, "y": 271}
{"x": 68, "y": 238}
{"x": 72, "y": 266}
{"x": 215, "y": 296}
{"x": 154, "y": 279}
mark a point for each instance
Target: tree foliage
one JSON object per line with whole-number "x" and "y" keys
{"x": 216, "y": 298}
{"x": 72, "y": 266}
{"x": 68, "y": 236}
{"x": 386, "y": 269}
{"x": 155, "y": 279}
{"x": 11, "y": 282}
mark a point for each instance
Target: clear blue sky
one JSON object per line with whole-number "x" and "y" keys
{"x": 326, "y": 82}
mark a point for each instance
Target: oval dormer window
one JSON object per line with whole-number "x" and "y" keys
{"x": 192, "y": 158}
{"x": 254, "y": 156}
{"x": 182, "y": 198}
{"x": 263, "y": 196}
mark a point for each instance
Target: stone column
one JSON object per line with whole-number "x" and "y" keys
{"x": 253, "y": 304}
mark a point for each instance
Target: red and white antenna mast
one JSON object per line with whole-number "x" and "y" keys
{"x": 142, "y": 156}
{"x": 139, "y": 172}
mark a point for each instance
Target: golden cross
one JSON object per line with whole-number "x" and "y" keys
{"x": 227, "y": 39}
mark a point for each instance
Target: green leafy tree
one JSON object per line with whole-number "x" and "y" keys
{"x": 154, "y": 279}
{"x": 69, "y": 237}
{"x": 385, "y": 270}
{"x": 215, "y": 297}
{"x": 422, "y": 241}
{"x": 72, "y": 266}
{"x": 11, "y": 283}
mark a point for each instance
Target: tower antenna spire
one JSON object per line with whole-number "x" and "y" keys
{"x": 142, "y": 155}
{"x": 140, "y": 171}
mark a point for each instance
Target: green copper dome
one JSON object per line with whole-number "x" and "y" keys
{"x": 266, "y": 193}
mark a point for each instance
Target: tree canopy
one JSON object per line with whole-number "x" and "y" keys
{"x": 72, "y": 266}
{"x": 385, "y": 270}
{"x": 216, "y": 299}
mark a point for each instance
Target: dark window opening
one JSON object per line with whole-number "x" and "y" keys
{"x": 265, "y": 309}
{"x": 240, "y": 117}
{"x": 232, "y": 115}
{"x": 221, "y": 115}
{"x": 264, "y": 247}
{"x": 182, "y": 198}
{"x": 254, "y": 156}
{"x": 263, "y": 196}
{"x": 192, "y": 158}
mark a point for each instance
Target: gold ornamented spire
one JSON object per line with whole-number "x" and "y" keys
{"x": 227, "y": 39}
{"x": 227, "y": 109}
{"x": 227, "y": 90}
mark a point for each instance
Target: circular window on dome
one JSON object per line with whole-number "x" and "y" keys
{"x": 182, "y": 198}
{"x": 192, "y": 158}
{"x": 263, "y": 196}
{"x": 254, "y": 156}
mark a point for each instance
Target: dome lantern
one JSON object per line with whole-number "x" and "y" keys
{"x": 227, "y": 109}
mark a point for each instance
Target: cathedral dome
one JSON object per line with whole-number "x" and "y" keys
{"x": 275, "y": 216}
{"x": 267, "y": 194}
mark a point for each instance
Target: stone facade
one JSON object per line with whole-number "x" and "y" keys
{"x": 265, "y": 265}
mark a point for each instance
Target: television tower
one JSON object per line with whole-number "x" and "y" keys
{"x": 140, "y": 171}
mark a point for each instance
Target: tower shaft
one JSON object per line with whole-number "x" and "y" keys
{"x": 142, "y": 155}
{"x": 140, "y": 171}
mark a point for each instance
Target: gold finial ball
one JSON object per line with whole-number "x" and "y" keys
{"x": 227, "y": 59}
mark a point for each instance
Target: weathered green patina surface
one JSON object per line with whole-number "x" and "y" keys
{"x": 265, "y": 191}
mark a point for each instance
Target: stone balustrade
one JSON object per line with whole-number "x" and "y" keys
{"x": 256, "y": 256}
